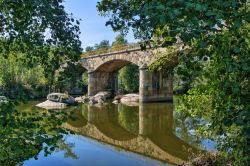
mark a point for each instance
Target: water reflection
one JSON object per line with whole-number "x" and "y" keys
{"x": 146, "y": 129}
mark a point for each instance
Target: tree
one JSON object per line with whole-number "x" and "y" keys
{"x": 89, "y": 48}
{"x": 69, "y": 78}
{"x": 43, "y": 34}
{"x": 129, "y": 78}
{"x": 41, "y": 30}
{"x": 36, "y": 28}
{"x": 119, "y": 42}
{"x": 17, "y": 79}
{"x": 217, "y": 36}
{"x": 104, "y": 44}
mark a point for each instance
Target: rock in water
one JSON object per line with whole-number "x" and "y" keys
{"x": 100, "y": 101}
{"x": 82, "y": 99}
{"x": 130, "y": 99}
{"x": 118, "y": 97}
{"x": 52, "y": 105}
{"x": 57, "y": 101}
{"x": 61, "y": 98}
{"x": 115, "y": 102}
{"x": 92, "y": 101}
{"x": 103, "y": 95}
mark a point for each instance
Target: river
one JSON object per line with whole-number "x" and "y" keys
{"x": 117, "y": 135}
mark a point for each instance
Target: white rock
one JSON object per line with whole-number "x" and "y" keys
{"x": 103, "y": 94}
{"x": 52, "y": 105}
{"x": 130, "y": 99}
{"x": 115, "y": 102}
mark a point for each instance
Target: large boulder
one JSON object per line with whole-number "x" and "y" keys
{"x": 100, "y": 101}
{"x": 118, "y": 97}
{"x": 92, "y": 101}
{"x": 57, "y": 101}
{"x": 104, "y": 95}
{"x": 52, "y": 105}
{"x": 99, "y": 98}
{"x": 61, "y": 98}
{"x": 82, "y": 99}
{"x": 115, "y": 102}
{"x": 130, "y": 99}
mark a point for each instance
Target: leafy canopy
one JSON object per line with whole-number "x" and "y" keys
{"x": 36, "y": 32}
{"x": 37, "y": 28}
{"x": 215, "y": 35}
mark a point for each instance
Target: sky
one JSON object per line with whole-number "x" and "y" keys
{"x": 93, "y": 29}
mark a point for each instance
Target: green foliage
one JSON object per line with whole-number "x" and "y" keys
{"x": 41, "y": 31}
{"x": 37, "y": 28}
{"x": 186, "y": 19}
{"x": 120, "y": 44}
{"x": 25, "y": 134}
{"x": 129, "y": 78}
{"x": 227, "y": 89}
{"x": 35, "y": 38}
{"x": 85, "y": 79}
{"x": 17, "y": 79}
{"x": 120, "y": 41}
{"x": 215, "y": 60}
{"x": 89, "y": 48}
{"x": 128, "y": 118}
{"x": 69, "y": 78}
{"x": 99, "y": 48}
{"x": 104, "y": 44}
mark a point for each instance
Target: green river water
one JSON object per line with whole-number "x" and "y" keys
{"x": 117, "y": 135}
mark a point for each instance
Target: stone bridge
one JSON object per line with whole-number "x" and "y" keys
{"x": 103, "y": 73}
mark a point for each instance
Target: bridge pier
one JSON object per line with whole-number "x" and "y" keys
{"x": 101, "y": 81}
{"x": 96, "y": 82}
{"x": 155, "y": 86}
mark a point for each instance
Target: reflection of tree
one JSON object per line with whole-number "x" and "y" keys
{"x": 67, "y": 148}
{"x": 128, "y": 118}
{"x": 185, "y": 126}
{"x": 84, "y": 108}
{"x": 24, "y": 134}
{"x": 76, "y": 119}
{"x": 156, "y": 119}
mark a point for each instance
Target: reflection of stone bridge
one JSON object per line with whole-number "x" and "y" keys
{"x": 102, "y": 69}
{"x": 154, "y": 137}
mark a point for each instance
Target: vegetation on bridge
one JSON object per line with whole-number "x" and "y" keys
{"x": 120, "y": 44}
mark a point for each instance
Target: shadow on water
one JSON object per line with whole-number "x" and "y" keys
{"x": 147, "y": 129}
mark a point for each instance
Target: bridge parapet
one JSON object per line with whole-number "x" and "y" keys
{"x": 135, "y": 56}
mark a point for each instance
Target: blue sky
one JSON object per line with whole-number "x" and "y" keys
{"x": 93, "y": 29}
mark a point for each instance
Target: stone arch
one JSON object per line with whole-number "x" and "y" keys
{"x": 113, "y": 65}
